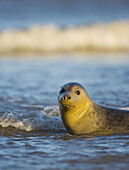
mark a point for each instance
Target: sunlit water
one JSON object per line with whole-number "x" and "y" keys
{"x": 32, "y": 135}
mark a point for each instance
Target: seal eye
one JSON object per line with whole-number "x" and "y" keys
{"x": 62, "y": 90}
{"x": 77, "y": 92}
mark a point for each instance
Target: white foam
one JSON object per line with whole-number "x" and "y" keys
{"x": 125, "y": 108}
{"x": 49, "y": 38}
{"x": 51, "y": 111}
{"x": 32, "y": 121}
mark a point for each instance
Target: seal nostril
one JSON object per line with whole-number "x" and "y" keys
{"x": 66, "y": 98}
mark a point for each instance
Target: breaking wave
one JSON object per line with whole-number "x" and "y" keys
{"x": 50, "y": 38}
{"x": 47, "y": 120}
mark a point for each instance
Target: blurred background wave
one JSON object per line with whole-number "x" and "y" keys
{"x": 63, "y": 26}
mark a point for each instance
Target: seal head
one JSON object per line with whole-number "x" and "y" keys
{"x": 72, "y": 96}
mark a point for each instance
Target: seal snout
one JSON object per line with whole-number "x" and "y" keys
{"x": 66, "y": 97}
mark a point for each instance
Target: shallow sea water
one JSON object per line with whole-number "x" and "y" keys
{"x": 32, "y": 135}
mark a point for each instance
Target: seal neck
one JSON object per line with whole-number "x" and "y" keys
{"x": 83, "y": 111}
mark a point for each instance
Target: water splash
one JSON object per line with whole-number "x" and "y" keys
{"x": 47, "y": 120}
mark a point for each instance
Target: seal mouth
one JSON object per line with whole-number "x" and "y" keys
{"x": 66, "y": 104}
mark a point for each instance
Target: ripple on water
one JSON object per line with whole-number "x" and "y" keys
{"x": 32, "y": 135}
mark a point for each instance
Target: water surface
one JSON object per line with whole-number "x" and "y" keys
{"x": 22, "y": 14}
{"x": 31, "y": 131}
